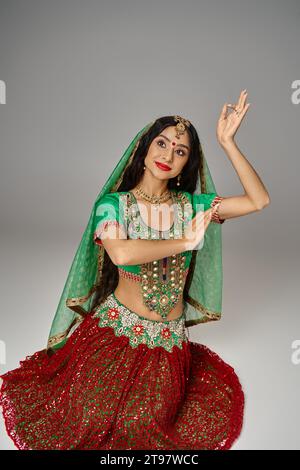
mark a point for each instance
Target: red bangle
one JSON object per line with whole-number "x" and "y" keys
{"x": 215, "y": 214}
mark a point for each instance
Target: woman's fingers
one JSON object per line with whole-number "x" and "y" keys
{"x": 203, "y": 216}
{"x": 208, "y": 218}
{"x": 195, "y": 232}
{"x": 242, "y": 99}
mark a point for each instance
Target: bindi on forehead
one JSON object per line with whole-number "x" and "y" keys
{"x": 174, "y": 142}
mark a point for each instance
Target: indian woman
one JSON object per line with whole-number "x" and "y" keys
{"x": 119, "y": 370}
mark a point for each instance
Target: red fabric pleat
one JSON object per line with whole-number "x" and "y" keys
{"x": 99, "y": 392}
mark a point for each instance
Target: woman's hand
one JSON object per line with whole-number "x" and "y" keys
{"x": 195, "y": 230}
{"x": 228, "y": 124}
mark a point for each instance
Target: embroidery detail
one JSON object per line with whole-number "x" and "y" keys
{"x": 138, "y": 277}
{"x": 138, "y": 329}
{"x": 162, "y": 281}
{"x": 129, "y": 275}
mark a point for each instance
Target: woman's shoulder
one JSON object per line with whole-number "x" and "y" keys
{"x": 114, "y": 200}
{"x": 199, "y": 196}
{"x": 205, "y": 199}
{"x": 108, "y": 199}
{"x": 112, "y": 195}
{"x": 116, "y": 194}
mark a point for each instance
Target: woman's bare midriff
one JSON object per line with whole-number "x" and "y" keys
{"x": 128, "y": 292}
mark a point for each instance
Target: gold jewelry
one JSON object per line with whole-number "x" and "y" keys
{"x": 178, "y": 178}
{"x": 156, "y": 200}
{"x": 181, "y": 125}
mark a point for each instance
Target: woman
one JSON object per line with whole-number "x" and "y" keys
{"x": 119, "y": 371}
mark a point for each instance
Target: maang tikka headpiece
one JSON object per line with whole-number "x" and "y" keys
{"x": 181, "y": 125}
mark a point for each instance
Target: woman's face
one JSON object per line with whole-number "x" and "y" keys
{"x": 170, "y": 151}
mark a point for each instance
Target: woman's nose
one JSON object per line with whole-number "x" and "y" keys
{"x": 169, "y": 155}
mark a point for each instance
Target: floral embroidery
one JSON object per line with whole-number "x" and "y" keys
{"x": 166, "y": 333}
{"x": 138, "y": 329}
{"x": 113, "y": 313}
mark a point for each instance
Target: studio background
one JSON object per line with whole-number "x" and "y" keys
{"x": 82, "y": 77}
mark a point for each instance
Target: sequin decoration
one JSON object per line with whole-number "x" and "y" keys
{"x": 99, "y": 392}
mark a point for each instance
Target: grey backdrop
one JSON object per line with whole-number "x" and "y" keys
{"x": 82, "y": 77}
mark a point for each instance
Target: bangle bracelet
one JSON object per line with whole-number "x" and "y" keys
{"x": 215, "y": 206}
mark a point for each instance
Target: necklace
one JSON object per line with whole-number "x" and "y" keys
{"x": 155, "y": 200}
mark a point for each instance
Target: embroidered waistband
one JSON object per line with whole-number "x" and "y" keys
{"x": 140, "y": 330}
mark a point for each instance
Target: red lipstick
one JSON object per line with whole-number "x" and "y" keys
{"x": 163, "y": 167}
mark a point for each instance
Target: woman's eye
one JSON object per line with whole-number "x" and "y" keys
{"x": 179, "y": 150}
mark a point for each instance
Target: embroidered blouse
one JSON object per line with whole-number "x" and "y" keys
{"x": 111, "y": 210}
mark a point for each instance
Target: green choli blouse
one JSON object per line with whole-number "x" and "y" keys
{"x": 110, "y": 210}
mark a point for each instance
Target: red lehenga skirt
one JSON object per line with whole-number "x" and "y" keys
{"x": 122, "y": 381}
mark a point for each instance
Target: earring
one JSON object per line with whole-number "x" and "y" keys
{"x": 178, "y": 178}
{"x": 144, "y": 168}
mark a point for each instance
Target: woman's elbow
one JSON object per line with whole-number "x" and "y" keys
{"x": 264, "y": 204}
{"x": 116, "y": 252}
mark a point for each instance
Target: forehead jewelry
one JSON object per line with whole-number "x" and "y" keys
{"x": 180, "y": 126}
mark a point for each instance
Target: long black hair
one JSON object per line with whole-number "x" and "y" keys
{"x": 131, "y": 178}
